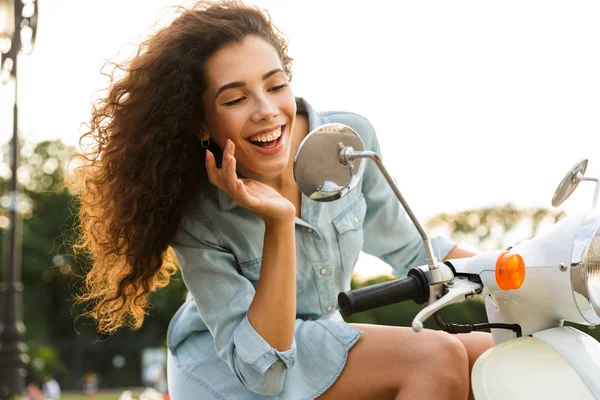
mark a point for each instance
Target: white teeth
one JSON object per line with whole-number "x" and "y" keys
{"x": 266, "y": 137}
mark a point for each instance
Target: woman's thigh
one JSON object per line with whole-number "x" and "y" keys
{"x": 387, "y": 359}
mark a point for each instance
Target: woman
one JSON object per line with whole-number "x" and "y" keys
{"x": 195, "y": 149}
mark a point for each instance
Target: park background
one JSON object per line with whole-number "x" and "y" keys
{"x": 480, "y": 107}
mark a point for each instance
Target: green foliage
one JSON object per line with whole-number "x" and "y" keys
{"x": 58, "y": 339}
{"x": 46, "y": 266}
{"x": 45, "y": 361}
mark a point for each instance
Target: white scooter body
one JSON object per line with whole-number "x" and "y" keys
{"x": 558, "y": 363}
{"x": 549, "y": 361}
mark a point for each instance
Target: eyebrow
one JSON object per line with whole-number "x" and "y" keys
{"x": 238, "y": 84}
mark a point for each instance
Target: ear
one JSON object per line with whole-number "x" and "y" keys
{"x": 203, "y": 134}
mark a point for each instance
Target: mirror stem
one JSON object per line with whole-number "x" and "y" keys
{"x": 580, "y": 177}
{"x": 347, "y": 155}
{"x": 596, "y": 192}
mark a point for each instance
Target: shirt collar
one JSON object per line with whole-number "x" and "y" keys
{"x": 226, "y": 203}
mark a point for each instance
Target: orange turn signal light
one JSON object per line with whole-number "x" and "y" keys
{"x": 510, "y": 271}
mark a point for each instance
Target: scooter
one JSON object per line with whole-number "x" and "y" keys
{"x": 530, "y": 289}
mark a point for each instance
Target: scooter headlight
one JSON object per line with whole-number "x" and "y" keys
{"x": 585, "y": 268}
{"x": 591, "y": 271}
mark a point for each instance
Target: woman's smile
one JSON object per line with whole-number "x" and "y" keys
{"x": 269, "y": 142}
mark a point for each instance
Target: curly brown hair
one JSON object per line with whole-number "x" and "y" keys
{"x": 142, "y": 170}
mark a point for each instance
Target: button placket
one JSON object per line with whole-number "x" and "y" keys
{"x": 320, "y": 259}
{"x": 324, "y": 282}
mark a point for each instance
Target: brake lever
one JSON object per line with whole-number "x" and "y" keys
{"x": 457, "y": 289}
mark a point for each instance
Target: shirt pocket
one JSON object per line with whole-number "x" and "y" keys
{"x": 349, "y": 227}
{"x": 251, "y": 270}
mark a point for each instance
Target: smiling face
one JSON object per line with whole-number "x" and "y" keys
{"x": 248, "y": 100}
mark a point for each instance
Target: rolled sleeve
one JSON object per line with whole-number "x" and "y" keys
{"x": 441, "y": 246}
{"x": 254, "y": 350}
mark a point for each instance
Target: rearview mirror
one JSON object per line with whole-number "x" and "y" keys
{"x": 317, "y": 168}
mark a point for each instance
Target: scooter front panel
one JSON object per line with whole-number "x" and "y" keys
{"x": 579, "y": 349}
{"x": 526, "y": 368}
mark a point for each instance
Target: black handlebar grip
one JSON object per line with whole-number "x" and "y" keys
{"x": 383, "y": 294}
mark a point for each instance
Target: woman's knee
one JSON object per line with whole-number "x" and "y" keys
{"x": 393, "y": 359}
{"x": 446, "y": 359}
{"x": 455, "y": 351}
{"x": 476, "y": 343}
{"x": 440, "y": 364}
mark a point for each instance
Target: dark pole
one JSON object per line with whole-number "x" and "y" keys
{"x": 13, "y": 357}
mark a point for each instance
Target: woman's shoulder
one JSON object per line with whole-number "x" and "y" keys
{"x": 342, "y": 116}
{"x": 356, "y": 121}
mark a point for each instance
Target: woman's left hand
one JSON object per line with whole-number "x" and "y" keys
{"x": 248, "y": 193}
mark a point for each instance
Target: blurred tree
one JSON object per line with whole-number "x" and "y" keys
{"x": 45, "y": 269}
{"x": 492, "y": 228}
{"x": 61, "y": 343}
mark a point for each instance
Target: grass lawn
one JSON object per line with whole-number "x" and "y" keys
{"x": 101, "y": 395}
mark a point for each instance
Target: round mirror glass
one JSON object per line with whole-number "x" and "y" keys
{"x": 569, "y": 183}
{"x": 318, "y": 169}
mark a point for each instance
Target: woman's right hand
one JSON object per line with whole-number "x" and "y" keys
{"x": 248, "y": 193}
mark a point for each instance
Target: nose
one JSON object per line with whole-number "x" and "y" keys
{"x": 265, "y": 109}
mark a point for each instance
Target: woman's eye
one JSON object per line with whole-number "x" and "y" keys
{"x": 234, "y": 102}
{"x": 278, "y": 87}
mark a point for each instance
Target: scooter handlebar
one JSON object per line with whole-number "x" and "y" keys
{"x": 412, "y": 287}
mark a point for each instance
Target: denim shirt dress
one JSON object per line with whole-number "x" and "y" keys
{"x": 214, "y": 352}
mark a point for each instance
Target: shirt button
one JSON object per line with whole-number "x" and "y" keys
{"x": 329, "y": 308}
{"x": 309, "y": 230}
{"x": 355, "y": 219}
{"x": 323, "y": 271}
